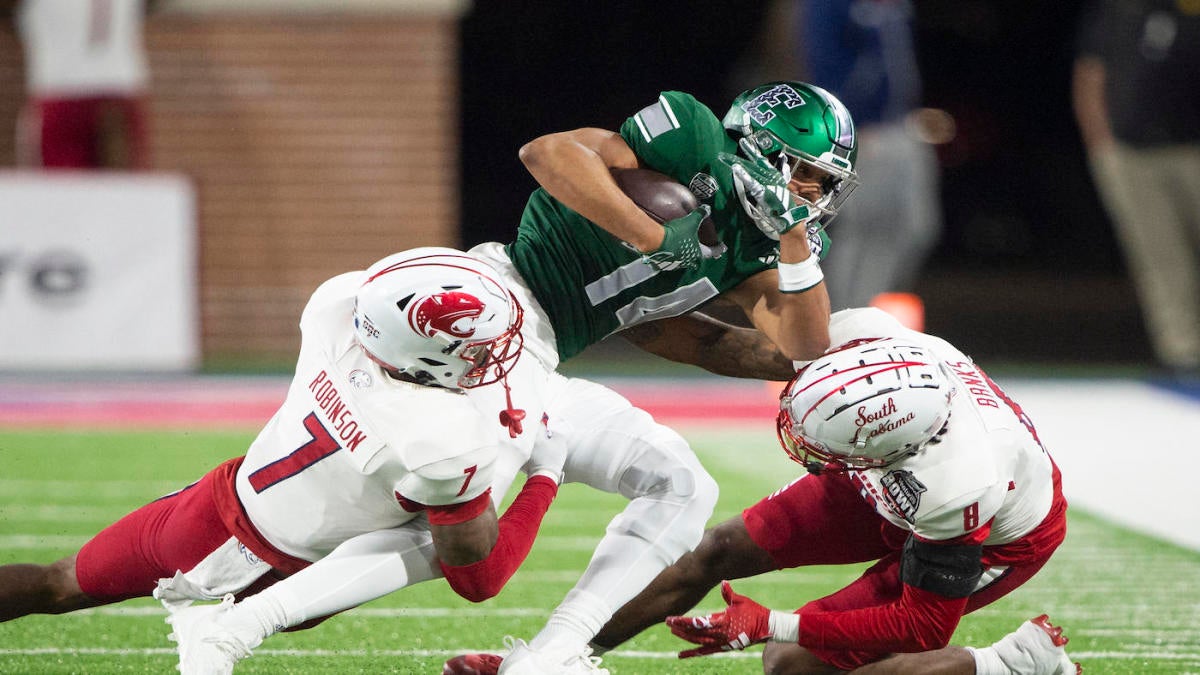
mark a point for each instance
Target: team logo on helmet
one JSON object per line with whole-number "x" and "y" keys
{"x": 453, "y": 313}
{"x": 761, "y": 107}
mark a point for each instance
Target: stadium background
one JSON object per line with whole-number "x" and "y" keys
{"x": 319, "y": 140}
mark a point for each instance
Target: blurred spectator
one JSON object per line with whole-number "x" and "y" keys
{"x": 863, "y": 52}
{"x": 86, "y": 79}
{"x": 1136, "y": 92}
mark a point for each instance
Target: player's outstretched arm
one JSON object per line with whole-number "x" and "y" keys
{"x": 477, "y": 568}
{"x": 479, "y": 553}
{"x": 714, "y": 345}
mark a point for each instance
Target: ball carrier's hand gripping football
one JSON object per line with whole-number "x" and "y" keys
{"x": 689, "y": 236}
{"x": 681, "y": 245}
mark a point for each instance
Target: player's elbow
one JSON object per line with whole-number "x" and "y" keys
{"x": 537, "y": 153}
{"x": 477, "y": 592}
{"x": 806, "y": 347}
{"x": 471, "y": 585}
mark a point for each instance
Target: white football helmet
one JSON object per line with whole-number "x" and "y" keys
{"x": 439, "y": 316}
{"x": 865, "y": 405}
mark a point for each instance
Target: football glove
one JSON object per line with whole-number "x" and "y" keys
{"x": 681, "y": 246}
{"x": 549, "y": 453}
{"x": 743, "y": 623}
{"x": 763, "y": 193}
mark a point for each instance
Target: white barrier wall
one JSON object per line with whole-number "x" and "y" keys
{"x": 98, "y": 272}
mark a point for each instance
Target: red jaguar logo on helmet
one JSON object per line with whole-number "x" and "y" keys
{"x": 453, "y": 313}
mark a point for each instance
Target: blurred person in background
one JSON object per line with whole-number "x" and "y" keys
{"x": 1136, "y": 92}
{"x": 916, "y": 461}
{"x": 86, "y": 78}
{"x": 863, "y": 52}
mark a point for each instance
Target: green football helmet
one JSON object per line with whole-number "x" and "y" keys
{"x": 792, "y": 122}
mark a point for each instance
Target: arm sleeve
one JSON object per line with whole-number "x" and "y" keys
{"x": 919, "y": 621}
{"x": 518, "y": 526}
{"x": 937, "y": 579}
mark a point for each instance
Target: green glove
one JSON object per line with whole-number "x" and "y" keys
{"x": 764, "y": 195}
{"x": 681, "y": 247}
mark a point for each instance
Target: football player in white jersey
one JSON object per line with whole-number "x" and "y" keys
{"x": 376, "y": 467}
{"x": 916, "y": 460}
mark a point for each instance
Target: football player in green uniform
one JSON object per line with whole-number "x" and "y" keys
{"x": 587, "y": 263}
{"x": 775, "y": 169}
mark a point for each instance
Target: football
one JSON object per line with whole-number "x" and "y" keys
{"x": 663, "y": 198}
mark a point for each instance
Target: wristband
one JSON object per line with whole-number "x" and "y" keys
{"x": 555, "y": 476}
{"x": 801, "y": 276}
{"x": 784, "y": 627}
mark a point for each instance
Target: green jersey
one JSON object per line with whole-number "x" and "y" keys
{"x": 591, "y": 285}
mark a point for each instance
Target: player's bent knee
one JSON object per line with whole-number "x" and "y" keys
{"x": 672, "y": 511}
{"x": 719, "y": 554}
{"x": 788, "y": 659}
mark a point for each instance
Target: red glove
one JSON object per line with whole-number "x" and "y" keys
{"x": 743, "y": 623}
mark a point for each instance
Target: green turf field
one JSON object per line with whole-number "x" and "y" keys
{"x": 1130, "y": 604}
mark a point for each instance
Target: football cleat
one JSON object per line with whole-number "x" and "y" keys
{"x": 1036, "y": 648}
{"x": 473, "y": 664}
{"x": 206, "y": 647}
{"x": 1064, "y": 666}
{"x": 525, "y": 660}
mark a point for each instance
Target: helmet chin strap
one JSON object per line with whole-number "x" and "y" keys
{"x": 511, "y": 417}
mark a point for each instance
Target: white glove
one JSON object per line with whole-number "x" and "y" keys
{"x": 548, "y": 456}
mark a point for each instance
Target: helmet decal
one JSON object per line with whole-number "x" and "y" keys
{"x": 844, "y": 124}
{"x": 878, "y": 422}
{"x": 453, "y": 313}
{"x": 782, "y": 94}
{"x": 864, "y": 405}
{"x": 440, "y": 317}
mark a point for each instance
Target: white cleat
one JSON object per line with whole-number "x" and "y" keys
{"x": 206, "y": 647}
{"x": 525, "y": 660}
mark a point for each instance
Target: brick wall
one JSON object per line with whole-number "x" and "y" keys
{"x": 317, "y": 144}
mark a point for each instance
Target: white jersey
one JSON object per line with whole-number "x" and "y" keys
{"x": 351, "y": 446}
{"x": 83, "y": 47}
{"x": 989, "y": 466}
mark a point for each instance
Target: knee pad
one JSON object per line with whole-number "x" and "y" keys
{"x": 672, "y": 495}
